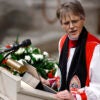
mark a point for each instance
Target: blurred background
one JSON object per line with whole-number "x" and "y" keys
{"x": 36, "y": 20}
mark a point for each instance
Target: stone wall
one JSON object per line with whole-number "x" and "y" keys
{"x": 28, "y": 14}
{"x": 25, "y": 18}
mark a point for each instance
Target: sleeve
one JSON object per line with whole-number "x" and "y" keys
{"x": 92, "y": 92}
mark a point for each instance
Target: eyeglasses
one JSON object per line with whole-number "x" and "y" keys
{"x": 73, "y": 22}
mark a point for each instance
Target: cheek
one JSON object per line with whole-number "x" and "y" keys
{"x": 80, "y": 27}
{"x": 64, "y": 28}
{"x": 81, "y": 24}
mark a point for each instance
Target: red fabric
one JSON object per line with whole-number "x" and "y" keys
{"x": 90, "y": 45}
{"x": 89, "y": 53}
{"x": 62, "y": 40}
{"x": 83, "y": 96}
{"x": 72, "y": 43}
{"x": 92, "y": 38}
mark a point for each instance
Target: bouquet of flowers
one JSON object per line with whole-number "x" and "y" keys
{"x": 34, "y": 56}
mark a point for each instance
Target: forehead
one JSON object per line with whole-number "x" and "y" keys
{"x": 69, "y": 16}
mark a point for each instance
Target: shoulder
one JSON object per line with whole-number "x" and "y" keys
{"x": 92, "y": 51}
{"x": 92, "y": 38}
{"x": 61, "y": 41}
{"x": 90, "y": 47}
{"x": 92, "y": 41}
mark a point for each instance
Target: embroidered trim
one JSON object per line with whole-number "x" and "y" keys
{"x": 74, "y": 83}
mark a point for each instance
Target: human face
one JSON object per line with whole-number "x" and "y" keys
{"x": 73, "y": 25}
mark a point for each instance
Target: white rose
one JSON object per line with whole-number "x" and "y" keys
{"x": 56, "y": 66}
{"x": 45, "y": 54}
{"x": 37, "y": 56}
{"x": 20, "y": 51}
{"x": 27, "y": 57}
{"x": 30, "y": 49}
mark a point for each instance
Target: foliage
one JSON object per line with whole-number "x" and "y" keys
{"x": 34, "y": 56}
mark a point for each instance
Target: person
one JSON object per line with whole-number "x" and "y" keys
{"x": 79, "y": 60}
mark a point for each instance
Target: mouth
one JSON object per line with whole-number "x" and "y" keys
{"x": 73, "y": 32}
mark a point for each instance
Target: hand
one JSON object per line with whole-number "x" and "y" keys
{"x": 64, "y": 95}
{"x": 44, "y": 81}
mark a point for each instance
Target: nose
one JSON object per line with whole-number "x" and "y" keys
{"x": 71, "y": 25}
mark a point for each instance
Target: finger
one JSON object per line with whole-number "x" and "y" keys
{"x": 57, "y": 97}
{"x": 61, "y": 96}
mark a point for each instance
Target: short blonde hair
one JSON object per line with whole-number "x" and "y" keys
{"x": 73, "y": 6}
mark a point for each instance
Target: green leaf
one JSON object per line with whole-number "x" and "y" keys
{"x": 36, "y": 51}
{"x": 1, "y": 57}
{"x": 42, "y": 72}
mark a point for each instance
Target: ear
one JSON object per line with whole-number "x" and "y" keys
{"x": 83, "y": 18}
{"x": 83, "y": 21}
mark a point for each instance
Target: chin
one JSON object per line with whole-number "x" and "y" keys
{"x": 73, "y": 38}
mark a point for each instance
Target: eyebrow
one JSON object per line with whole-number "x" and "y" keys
{"x": 73, "y": 20}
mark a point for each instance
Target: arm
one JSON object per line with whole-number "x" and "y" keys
{"x": 93, "y": 91}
